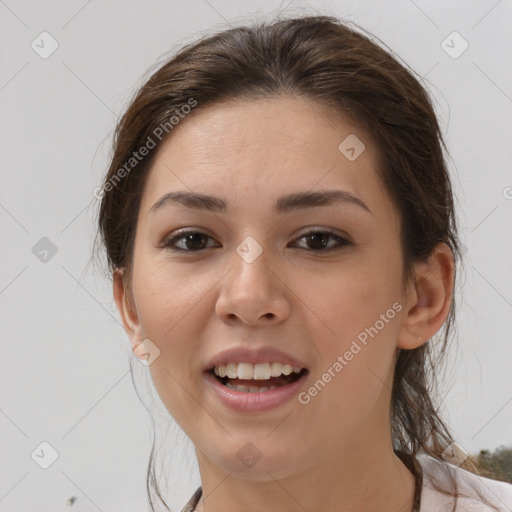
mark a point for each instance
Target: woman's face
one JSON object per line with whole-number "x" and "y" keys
{"x": 252, "y": 279}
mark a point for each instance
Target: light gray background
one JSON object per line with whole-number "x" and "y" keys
{"x": 64, "y": 368}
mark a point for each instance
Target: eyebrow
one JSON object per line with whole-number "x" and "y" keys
{"x": 283, "y": 204}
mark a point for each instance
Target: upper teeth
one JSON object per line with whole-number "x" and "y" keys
{"x": 260, "y": 371}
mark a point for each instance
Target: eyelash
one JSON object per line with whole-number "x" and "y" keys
{"x": 343, "y": 242}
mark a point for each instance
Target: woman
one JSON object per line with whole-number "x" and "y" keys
{"x": 279, "y": 223}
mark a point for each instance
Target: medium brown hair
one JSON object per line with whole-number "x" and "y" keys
{"x": 326, "y": 62}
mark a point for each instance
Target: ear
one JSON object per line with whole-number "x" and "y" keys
{"x": 428, "y": 298}
{"x": 126, "y": 307}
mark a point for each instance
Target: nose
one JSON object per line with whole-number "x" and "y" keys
{"x": 253, "y": 293}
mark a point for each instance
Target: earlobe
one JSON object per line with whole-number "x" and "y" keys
{"x": 429, "y": 300}
{"x": 126, "y": 307}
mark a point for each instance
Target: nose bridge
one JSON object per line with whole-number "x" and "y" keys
{"x": 250, "y": 263}
{"x": 252, "y": 290}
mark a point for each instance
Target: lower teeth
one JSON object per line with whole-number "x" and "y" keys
{"x": 249, "y": 389}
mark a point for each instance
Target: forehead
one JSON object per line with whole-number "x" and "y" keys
{"x": 250, "y": 149}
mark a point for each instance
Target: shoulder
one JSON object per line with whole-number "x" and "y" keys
{"x": 473, "y": 490}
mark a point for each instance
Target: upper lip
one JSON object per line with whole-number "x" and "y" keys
{"x": 253, "y": 356}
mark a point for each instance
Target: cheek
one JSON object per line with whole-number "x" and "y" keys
{"x": 343, "y": 303}
{"x": 167, "y": 300}
{"x": 171, "y": 312}
{"x": 356, "y": 338}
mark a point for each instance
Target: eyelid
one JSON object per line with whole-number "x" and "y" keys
{"x": 328, "y": 231}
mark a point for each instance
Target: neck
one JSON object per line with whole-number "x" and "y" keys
{"x": 361, "y": 479}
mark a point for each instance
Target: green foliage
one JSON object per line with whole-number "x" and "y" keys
{"x": 496, "y": 465}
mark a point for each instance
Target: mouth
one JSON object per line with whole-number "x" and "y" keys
{"x": 258, "y": 385}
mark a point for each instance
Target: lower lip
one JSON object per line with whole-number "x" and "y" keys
{"x": 253, "y": 402}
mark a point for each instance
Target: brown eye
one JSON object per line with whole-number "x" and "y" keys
{"x": 195, "y": 241}
{"x": 318, "y": 241}
{"x": 189, "y": 241}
